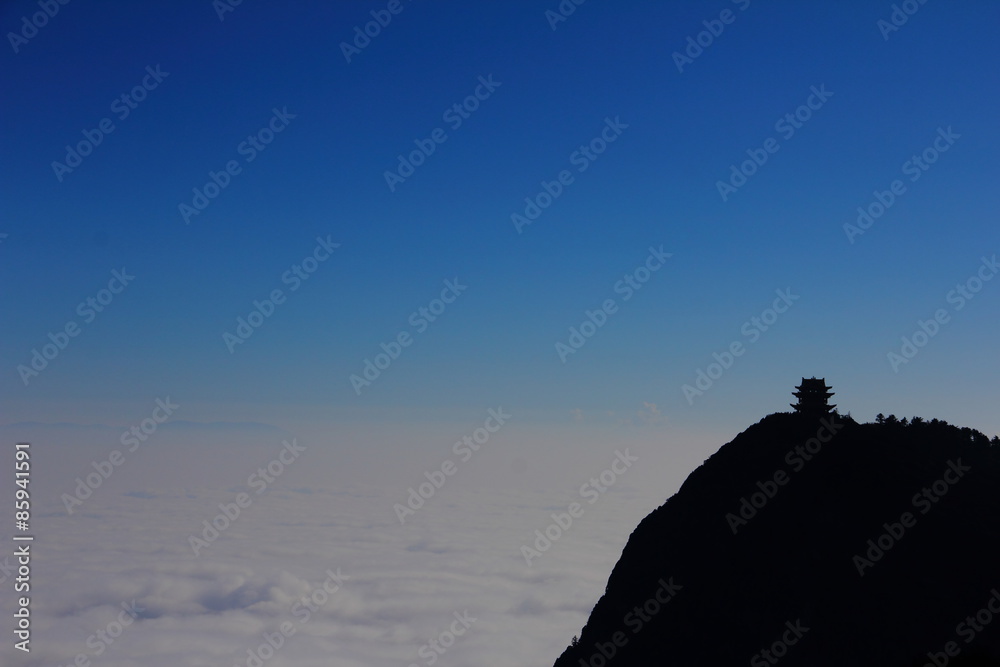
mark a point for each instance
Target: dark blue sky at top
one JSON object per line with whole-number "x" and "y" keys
{"x": 655, "y": 185}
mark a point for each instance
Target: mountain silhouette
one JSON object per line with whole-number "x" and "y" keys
{"x": 811, "y": 539}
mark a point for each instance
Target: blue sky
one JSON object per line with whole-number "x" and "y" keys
{"x": 655, "y": 185}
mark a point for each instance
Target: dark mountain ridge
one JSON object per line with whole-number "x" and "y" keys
{"x": 814, "y": 540}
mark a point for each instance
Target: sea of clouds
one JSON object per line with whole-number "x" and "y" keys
{"x": 123, "y": 561}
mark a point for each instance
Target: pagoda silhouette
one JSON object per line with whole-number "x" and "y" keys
{"x": 813, "y": 395}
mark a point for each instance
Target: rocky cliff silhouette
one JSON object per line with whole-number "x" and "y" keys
{"x": 814, "y": 540}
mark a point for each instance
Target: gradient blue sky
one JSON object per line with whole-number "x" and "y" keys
{"x": 656, "y": 185}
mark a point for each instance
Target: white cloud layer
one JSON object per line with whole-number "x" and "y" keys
{"x": 458, "y": 557}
